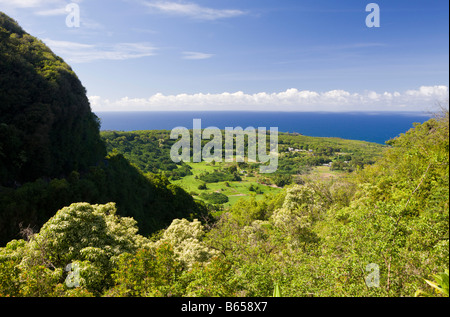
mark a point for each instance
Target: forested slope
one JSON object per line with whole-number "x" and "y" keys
{"x": 51, "y": 153}
{"x": 47, "y": 128}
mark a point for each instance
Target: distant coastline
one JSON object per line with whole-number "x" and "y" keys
{"x": 372, "y": 126}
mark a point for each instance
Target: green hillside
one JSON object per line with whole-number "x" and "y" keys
{"x": 47, "y": 128}
{"x": 300, "y": 157}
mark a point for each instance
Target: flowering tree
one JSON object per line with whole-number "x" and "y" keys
{"x": 84, "y": 237}
{"x": 186, "y": 239}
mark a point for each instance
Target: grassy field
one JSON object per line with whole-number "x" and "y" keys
{"x": 234, "y": 190}
{"x": 325, "y": 173}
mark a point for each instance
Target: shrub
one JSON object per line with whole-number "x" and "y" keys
{"x": 215, "y": 198}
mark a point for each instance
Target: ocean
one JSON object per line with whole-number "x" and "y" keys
{"x": 375, "y": 127}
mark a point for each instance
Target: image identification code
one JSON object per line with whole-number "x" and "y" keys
{"x": 245, "y": 306}
{"x": 229, "y": 307}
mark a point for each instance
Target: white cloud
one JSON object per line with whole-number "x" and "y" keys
{"x": 422, "y": 99}
{"x": 428, "y": 91}
{"x": 28, "y": 3}
{"x": 192, "y": 10}
{"x": 84, "y": 53}
{"x": 196, "y": 55}
{"x": 39, "y": 7}
{"x": 52, "y": 12}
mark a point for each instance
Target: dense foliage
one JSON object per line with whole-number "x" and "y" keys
{"x": 150, "y": 199}
{"x": 382, "y": 232}
{"x": 47, "y": 128}
{"x": 215, "y": 198}
{"x": 147, "y": 150}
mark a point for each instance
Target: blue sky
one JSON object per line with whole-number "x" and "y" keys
{"x": 286, "y": 55}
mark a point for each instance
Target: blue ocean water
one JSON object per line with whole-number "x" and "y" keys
{"x": 375, "y": 127}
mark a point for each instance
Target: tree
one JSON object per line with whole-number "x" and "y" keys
{"x": 185, "y": 237}
{"x": 92, "y": 237}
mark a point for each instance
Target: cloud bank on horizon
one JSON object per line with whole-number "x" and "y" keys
{"x": 425, "y": 98}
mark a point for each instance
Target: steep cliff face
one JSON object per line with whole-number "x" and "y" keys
{"x": 51, "y": 153}
{"x": 47, "y": 128}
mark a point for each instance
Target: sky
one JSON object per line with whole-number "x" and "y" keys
{"x": 261, "y": 55}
